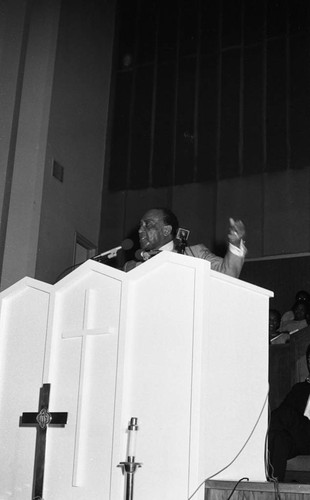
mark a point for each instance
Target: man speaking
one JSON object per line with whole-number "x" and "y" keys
{"x": 158, "y": 231}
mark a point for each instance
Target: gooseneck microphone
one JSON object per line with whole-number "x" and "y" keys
{"x": 127, "y": 244}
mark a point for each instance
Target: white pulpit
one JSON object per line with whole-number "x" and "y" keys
{"x": 180, "y": 347}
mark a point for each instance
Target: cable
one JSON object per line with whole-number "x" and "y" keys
{"x": 236, "y": 485}
{"x": 268, "y": 465}
{"x": 66, "y": 271}
{"x": 71, "y": 268}
{"x": 239, "y": 452}
{"x": 246, "y": 442}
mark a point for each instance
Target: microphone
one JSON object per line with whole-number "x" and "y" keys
{"x": 181, "y": 239}
{"x": 126, "y": 244}
{"x": 142, "y": 255}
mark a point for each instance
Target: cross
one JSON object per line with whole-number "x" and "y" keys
{"x": 41, "y": 420}
{"x": 84, "y": 333}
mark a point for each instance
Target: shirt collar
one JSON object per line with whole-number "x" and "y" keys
{"x": 169, "y": 247}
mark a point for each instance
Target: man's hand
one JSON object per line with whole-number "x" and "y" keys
{"x": 236, "y": 232}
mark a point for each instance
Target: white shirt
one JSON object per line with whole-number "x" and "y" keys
{"x": 307, "y": 409}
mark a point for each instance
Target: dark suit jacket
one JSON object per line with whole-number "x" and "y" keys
{"x": 297, "y": 398}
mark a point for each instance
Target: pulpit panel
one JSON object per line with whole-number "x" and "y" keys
{"x": 23, "y": 330}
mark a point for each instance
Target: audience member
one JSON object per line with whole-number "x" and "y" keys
{"x": 274, "y": 323}
{"x": 289, "y": 429}
{"x": 158, "y": 229}
{"x": 301, "y": 317}
{"x": 301, "y": 296}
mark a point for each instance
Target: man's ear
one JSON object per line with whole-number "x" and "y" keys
{"x": 167, "y": 230}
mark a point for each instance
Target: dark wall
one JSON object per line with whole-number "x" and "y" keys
{"x": 209, "y": 90}
{"x": 210, "y": 115}
{"x": 284, "y": 277}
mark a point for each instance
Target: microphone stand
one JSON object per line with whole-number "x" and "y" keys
{"x": 110, "y": 254}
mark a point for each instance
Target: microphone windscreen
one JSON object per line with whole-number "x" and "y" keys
{"x": 127, "y": 244}
{"x": 139, "y": 254}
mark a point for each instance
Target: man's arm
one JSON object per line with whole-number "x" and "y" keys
{"x": 232, "y": 263}
{"x": 236, "y": 233}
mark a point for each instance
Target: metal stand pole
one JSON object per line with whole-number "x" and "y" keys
{"x": 129, "y": 468}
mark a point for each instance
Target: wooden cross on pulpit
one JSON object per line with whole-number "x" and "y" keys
{"x": 41, "y": 420}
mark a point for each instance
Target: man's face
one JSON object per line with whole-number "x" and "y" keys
{"x": 274, "y": 323}
{"x": 153, "y": 233}
{"x": 300, "y": 311}
{"x": 302, "y": 296}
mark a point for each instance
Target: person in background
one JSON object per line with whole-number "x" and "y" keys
{"x": 158, "y": 230}
{"x": 301, "y": 296}
{"x": 274, "y": 323}
{"x": 301, "y": 317}
{"x": 289, "y": 428}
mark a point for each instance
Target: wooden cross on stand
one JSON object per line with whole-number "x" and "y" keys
{"x": 41, "y": 420}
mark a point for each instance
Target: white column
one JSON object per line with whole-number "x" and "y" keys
{"x": 27, "y": 182}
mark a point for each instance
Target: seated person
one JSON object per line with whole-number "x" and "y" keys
{"x": 301, "y": 319}
{"x": 301, "y": 296}
{"x": 158, "y": 229}
{"x": 289, "y": 429}
{"x": 274, "y": 323}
